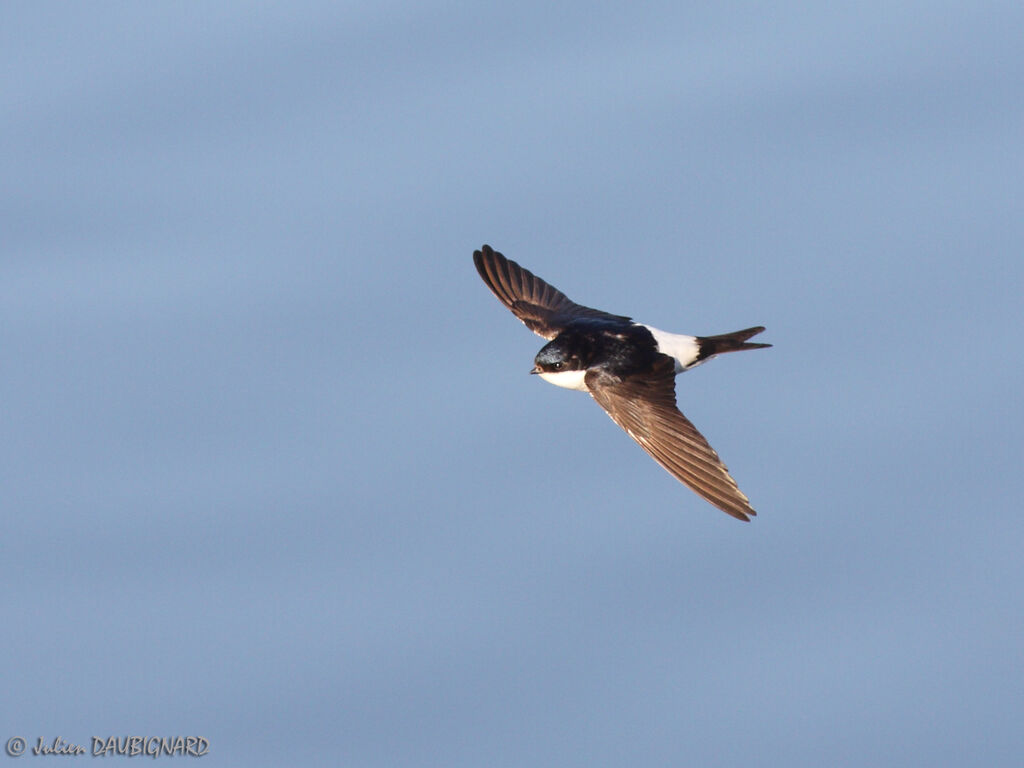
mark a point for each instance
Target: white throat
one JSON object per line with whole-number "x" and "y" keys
{"x": 567, "y": 379}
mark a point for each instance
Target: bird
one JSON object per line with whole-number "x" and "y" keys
{"x": 627, "y": 367}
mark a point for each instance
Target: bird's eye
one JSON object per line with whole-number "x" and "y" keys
{"x": 557, "y": 366}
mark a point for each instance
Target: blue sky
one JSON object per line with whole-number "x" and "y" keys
{"x": 274, "y": 472}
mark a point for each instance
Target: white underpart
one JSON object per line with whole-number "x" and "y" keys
{"x": 684, "y": 349}
{"x": 567, "y": 379}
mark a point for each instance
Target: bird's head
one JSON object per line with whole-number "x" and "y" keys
{"x": 557, "y": 357}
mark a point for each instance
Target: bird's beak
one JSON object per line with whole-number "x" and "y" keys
{"x": 535, "y": 369}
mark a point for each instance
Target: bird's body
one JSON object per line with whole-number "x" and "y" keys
{"x": 628, "y": 368}
{"x": 624, "y": 349}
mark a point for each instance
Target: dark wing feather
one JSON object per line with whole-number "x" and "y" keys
{"x": 645, "y": 406}
{"x": 543, "y": 308}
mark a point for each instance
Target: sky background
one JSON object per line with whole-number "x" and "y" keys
{"x": 273, "y": 472}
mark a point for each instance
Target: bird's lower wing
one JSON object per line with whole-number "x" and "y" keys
{"x": 645, "y": 406}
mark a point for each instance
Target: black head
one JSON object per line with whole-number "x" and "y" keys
{"x": 558, "y": 356}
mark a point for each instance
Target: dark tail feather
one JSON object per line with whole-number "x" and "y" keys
{"x": 728, "y": 342}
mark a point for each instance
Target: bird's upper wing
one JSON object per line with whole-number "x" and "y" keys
{"x": 645, "y": 406}
{"x": 543, "y": 308}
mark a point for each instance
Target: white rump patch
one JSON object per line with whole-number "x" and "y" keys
{"x": 567, "y": 379}
{"x": 684, "y": 349}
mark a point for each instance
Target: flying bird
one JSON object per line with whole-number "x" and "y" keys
{"x": 628, "y": 368}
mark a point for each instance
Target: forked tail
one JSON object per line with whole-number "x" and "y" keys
{"x": 728, "y": 342}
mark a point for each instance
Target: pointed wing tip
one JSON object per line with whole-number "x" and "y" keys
{"x": 743, "y": 511}
{"x": 486, "y": 261}
{"x": 491, "y": 264}
{"x": 485, "y": 251}
{"x": 743, "y": 515}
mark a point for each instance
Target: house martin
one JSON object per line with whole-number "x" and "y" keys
{"x": 628, "y": 368}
